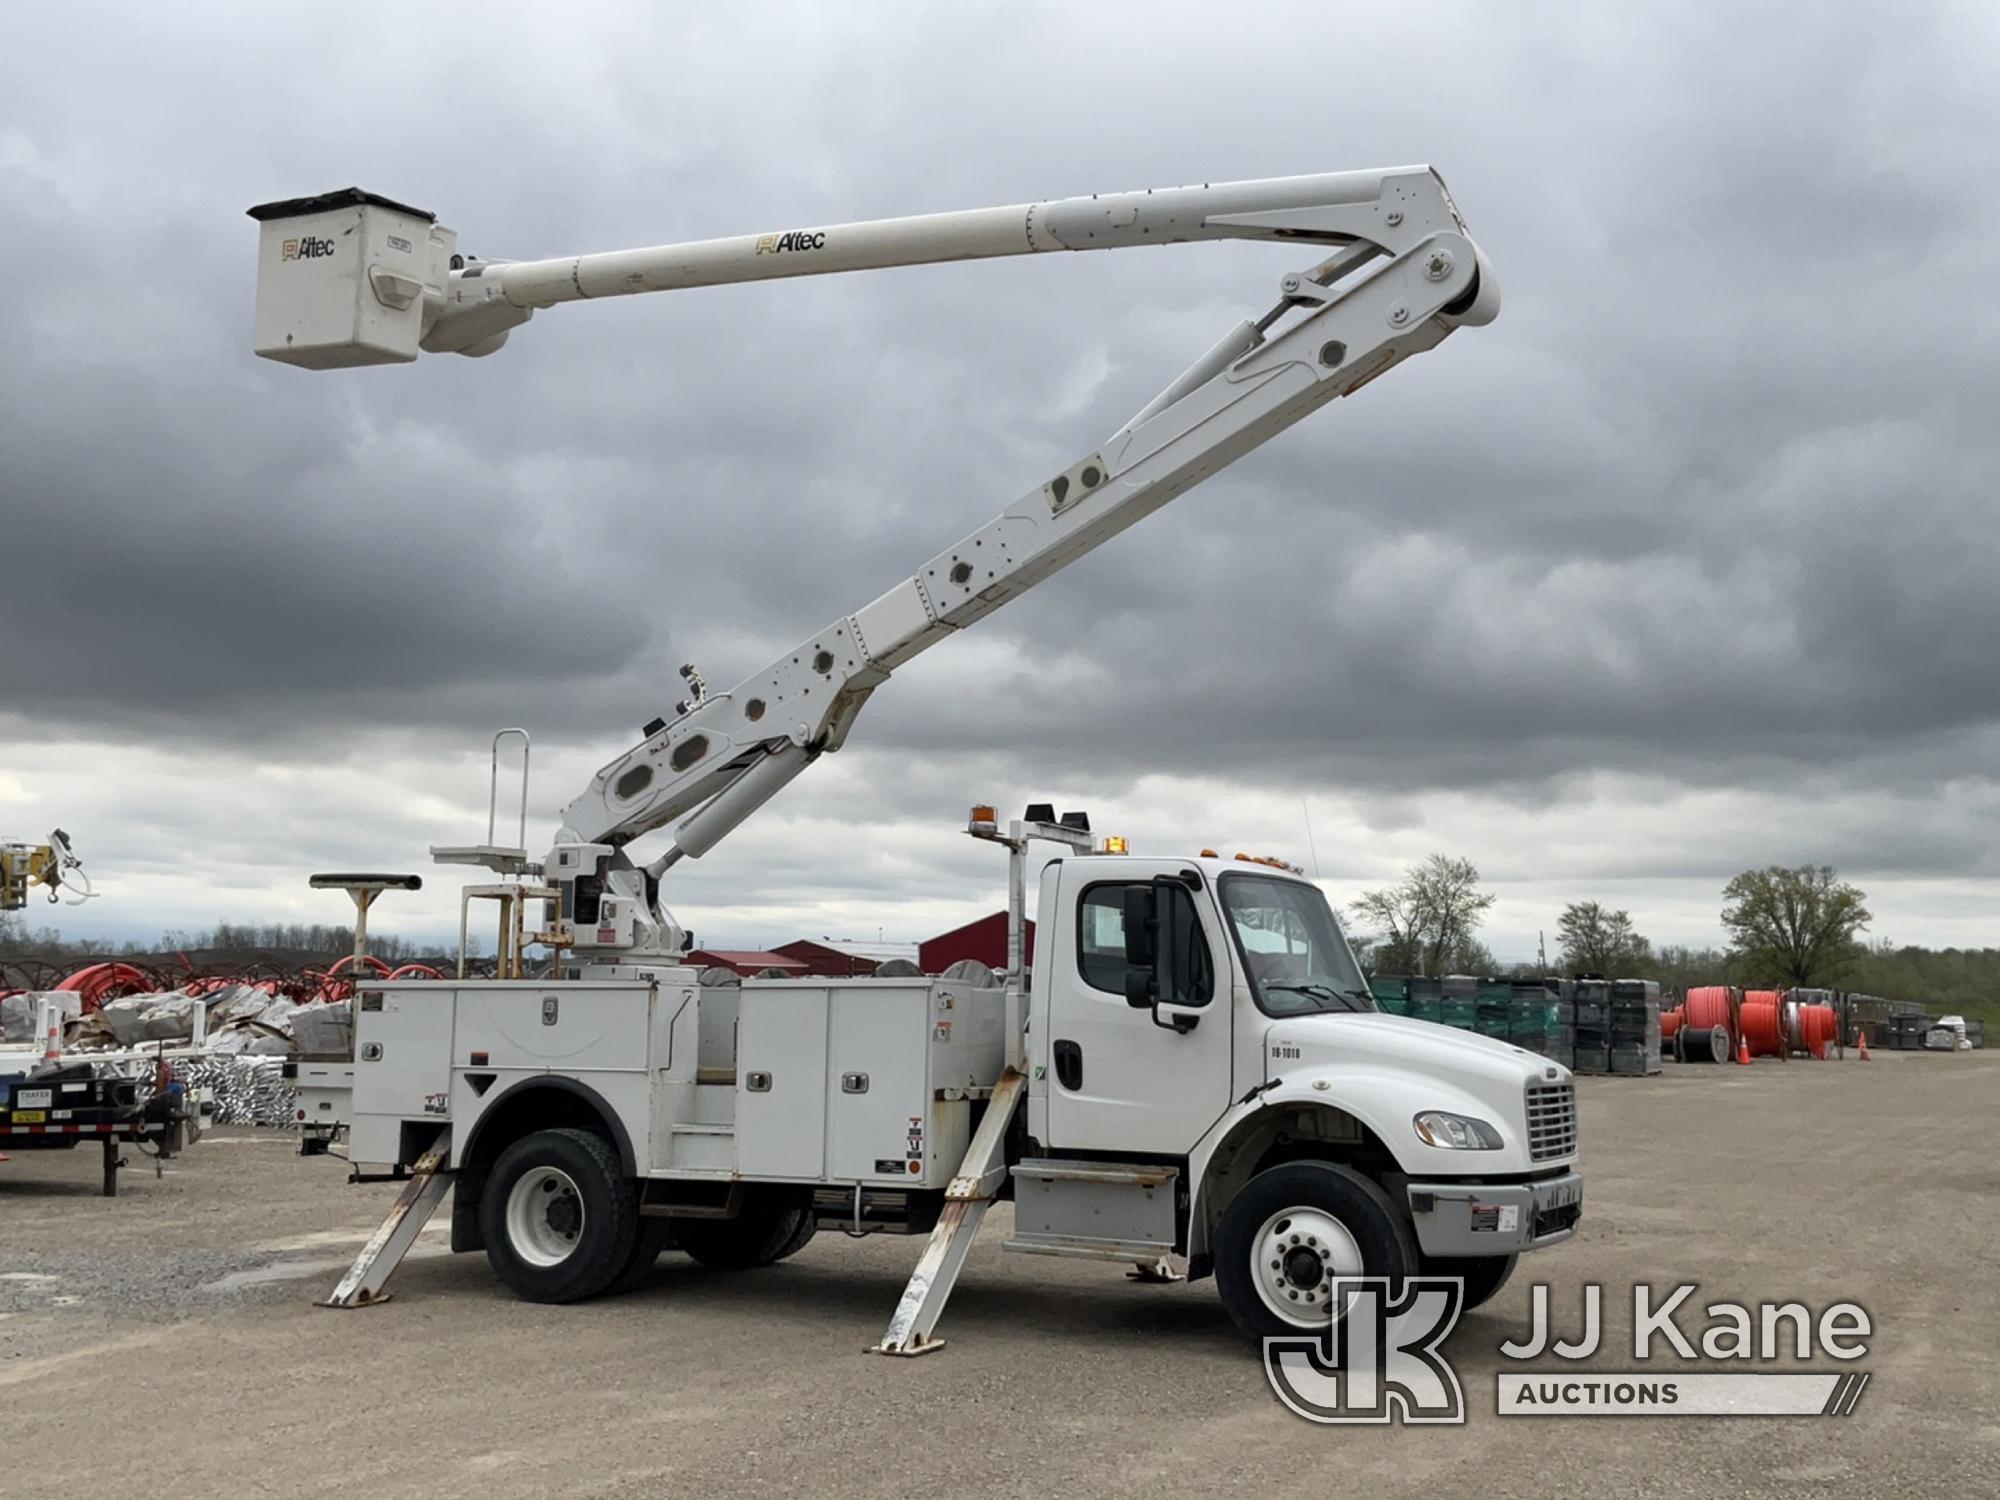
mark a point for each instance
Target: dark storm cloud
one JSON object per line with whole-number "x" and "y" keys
{"x": 1710, "y": 501}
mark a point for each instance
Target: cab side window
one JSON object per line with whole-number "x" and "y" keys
{"x": 1100, "y": 942}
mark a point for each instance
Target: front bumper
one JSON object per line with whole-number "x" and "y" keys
{"x": 1458, "y": 1219}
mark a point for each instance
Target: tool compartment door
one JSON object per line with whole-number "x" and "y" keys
{"x": 781, "y": 1054}
{"x": 878, "y": 1088}
{"x": 402, "y": 1063}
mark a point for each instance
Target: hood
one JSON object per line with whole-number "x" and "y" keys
{"x": 1387, "y": 1068}
{"x": 1398, "y": 1040}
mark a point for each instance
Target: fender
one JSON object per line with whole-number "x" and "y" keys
{"x": 559, "y": 1083}
{"x": 1376, "y": 1102}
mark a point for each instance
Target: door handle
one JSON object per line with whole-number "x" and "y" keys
{"x": 1069, "y": 1064}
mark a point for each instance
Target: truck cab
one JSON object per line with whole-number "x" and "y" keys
{"x": 1208, "y": 1014}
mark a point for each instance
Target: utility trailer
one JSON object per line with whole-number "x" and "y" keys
{"x": 53, "y": 1103}
{"x": 1197, "y": 1069}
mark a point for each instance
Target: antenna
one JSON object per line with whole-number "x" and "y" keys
{"x": 1304, "y": 808}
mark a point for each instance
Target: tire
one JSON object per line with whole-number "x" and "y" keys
{"x": 808, "y": 1227}
{"x": 655, "y": 1235}
{"x": 765, "y": 1232}
{"x": 1329, "y": 1220}
{"x": 559, "y": 1219}
{"x": 1484, "y": 1275}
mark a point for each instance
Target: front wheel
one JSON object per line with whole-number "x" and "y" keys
{"x": 1483, "y": 1275}
{"x": 1291, "y": 1233}
{"x": 558, "y": 1217}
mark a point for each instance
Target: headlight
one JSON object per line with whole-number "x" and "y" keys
{"x": 1456, "y": 1132}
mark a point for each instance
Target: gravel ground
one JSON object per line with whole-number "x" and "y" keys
{"x": 165, "y": 1342}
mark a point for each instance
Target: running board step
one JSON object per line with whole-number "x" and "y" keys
{"x": 1111, "y": 1173}
{"x": 1077, "y": 1248}
{"x": 1095, "y": 1210}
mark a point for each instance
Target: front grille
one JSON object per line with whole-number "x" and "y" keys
{"x": 1551, "y": 1120}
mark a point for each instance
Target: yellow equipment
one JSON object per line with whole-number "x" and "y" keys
{"x": 24, "y": 865}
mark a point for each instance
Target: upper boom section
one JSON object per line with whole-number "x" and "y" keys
{"x": 354, "y": 279}
{"x": 350, "y": 278}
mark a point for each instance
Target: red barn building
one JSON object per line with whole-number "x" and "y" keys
{"x": 748, "y": 962}
{"x": 983, "y": 941}
{"x": 834, "y": 958}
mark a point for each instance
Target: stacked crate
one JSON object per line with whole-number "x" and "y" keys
{"x": 1906, "y": 1032}
{"x": 1633, "y": 1026}
{"x": 1391, "y": 992}
{"x": 1593, "y": 1025}
{"x": 1493, "y": 1012}
{"x": 1587, "y": 1025}
{"x": 1459, "y": 1005}
{"x": 1543, "y": 1019}
{"x": 1425, "y": 999}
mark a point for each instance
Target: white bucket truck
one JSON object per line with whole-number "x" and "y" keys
{"x": 1196, "y": 1069}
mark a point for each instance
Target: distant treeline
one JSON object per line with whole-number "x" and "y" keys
{"x": 18, "y": 940}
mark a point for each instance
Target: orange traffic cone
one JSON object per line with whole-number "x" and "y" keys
{"x": 1743, "y": 1049}
{"x": 52, "y": 1046}
{"x": 1863, "y": 1039}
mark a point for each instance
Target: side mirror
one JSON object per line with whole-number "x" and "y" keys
{"x": 1142, "y": 925}
{"x": 1141, "y": 991}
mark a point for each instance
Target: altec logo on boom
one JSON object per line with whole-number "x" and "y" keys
{"x": 794, "y": 239}
{"x": 312, "y": 247}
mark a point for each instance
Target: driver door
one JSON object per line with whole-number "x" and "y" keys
{"x": 1120, "y": 1080}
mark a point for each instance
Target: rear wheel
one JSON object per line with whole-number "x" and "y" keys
{"x": 655, "y": 1235}
{"x": 1291, "y": 1233}
{"x": 559, "y": 1219}
{"x": 767, "y": 1231}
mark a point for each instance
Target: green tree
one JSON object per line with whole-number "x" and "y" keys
{"x": 1425, "y": 924}
{"x": 1598, "y": 940}
{"x": 1679, "y": 969}
{"x": 1794, "y": 926}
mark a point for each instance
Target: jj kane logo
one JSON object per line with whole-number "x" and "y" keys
{"x": 792, "y": 239}
{"x": 1381, "y": 1359}
{"x": 311, "y": 247}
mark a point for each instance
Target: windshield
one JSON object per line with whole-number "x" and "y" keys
{"x": 1296, "y": 955}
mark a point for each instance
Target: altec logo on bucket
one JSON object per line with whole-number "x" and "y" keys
{"x": 1383, "y": 1360}
{"x": 311, "y": 247}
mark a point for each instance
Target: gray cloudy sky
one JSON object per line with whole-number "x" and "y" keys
{"x": 1684, "y": 564}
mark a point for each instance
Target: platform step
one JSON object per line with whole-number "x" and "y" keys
{"x": 1094, "y": 1210}
{"x": 1079, "y": 1247}
{"x": 1109, "y": 1173}
{"x": 695, "y": 1127}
